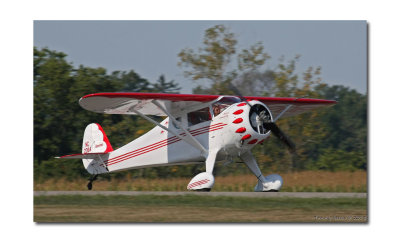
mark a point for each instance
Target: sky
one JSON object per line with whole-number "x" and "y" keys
{"x": 151, "y": 48}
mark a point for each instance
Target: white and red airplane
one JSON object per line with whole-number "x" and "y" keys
{"x": 198, "y": 129}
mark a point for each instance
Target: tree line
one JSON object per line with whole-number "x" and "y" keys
{"x": 333, "y": 138}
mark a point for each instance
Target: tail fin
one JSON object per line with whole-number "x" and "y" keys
{"x": 95, "y": 149}
{"x": 95, "y": 140}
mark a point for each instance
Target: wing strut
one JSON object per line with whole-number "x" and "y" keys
{"x": 287, "y": 108}
{"x": 281, "y": 113}
{"x": 196, "y": 143}
{"x": 188, "y": 139}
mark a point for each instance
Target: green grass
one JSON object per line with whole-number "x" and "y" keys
{"x": 191, "y": 208}
{"x": 199, "y": 201}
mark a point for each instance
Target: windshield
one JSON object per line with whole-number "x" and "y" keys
{"x": 219, "y": 106}
{"x": 199, "y": 116}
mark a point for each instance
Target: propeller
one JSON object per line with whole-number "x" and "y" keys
{"x": 237, "y": 92}
{"x": 264, "y": 117}
{"x": 281, "y": 136}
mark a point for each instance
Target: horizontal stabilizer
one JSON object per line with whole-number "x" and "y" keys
{"x": 82, "y": 156}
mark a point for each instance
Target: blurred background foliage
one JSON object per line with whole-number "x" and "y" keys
{"x": 330, "y": 139}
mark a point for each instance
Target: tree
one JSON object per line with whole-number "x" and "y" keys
{"x": 51, "y": 83}
{"x": 165, "y": 87}
{"x": 213, "y": 61}
{"x": 346, "y": 122}
{"x": 256, "y": 83}
{"x": 132, "y": 81}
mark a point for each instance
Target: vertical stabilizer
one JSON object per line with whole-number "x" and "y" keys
{"x": 94, "y": 141}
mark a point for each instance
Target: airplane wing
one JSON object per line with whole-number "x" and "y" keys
{"x": 127, "y": 103}
{"x": 124, "y": 103}
{"x": 299, "y": 105}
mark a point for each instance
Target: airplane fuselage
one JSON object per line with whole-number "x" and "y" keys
{"x": 230, "y": 134}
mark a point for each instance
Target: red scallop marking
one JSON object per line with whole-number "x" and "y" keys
{"x": 105, "y": 139}
{"x": 238, "y": 112}
{"x": 241, "y": 130}
{"x": 261, "y": 142}
{"x": 237, "y": 121}
{"x": 247, "y": 136}
{"x": 241, "y": 104}
{"x": 252, "y": 141}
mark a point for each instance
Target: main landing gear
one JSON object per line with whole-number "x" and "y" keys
{"x": 204, "y": 181}
{"x": 271, "y": 183}
{"x": 91, "y": 179}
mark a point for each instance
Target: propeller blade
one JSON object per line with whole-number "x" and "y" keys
{"x": 237, "y": 92}
{"x": 281, "y": 136}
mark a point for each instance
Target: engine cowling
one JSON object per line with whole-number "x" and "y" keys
{"x": 246, "y": 126}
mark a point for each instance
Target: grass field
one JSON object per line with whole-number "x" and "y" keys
{"x": 197, "y": 209}
{"x": 305, "y": 181}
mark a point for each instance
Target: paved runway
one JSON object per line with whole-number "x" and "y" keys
{"x": 213, "y": 194}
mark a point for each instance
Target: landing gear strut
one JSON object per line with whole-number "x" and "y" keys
{"x": 271, "y": 183}
{"x": 90, "y": 185}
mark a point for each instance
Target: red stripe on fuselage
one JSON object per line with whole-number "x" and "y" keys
{"x": 169, "y": 139}
{"x": 161, "y": 144}
{"x": 141, "y": 152}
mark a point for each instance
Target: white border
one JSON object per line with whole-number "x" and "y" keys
{"x": 16, "y": 52}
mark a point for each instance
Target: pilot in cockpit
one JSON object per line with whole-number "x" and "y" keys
{"x": 216, "y": 109}
{"x": 223, "y": 103}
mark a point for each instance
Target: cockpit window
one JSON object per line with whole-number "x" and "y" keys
{"x": 199, "y": 116}
{"x": 223, "y": 103}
